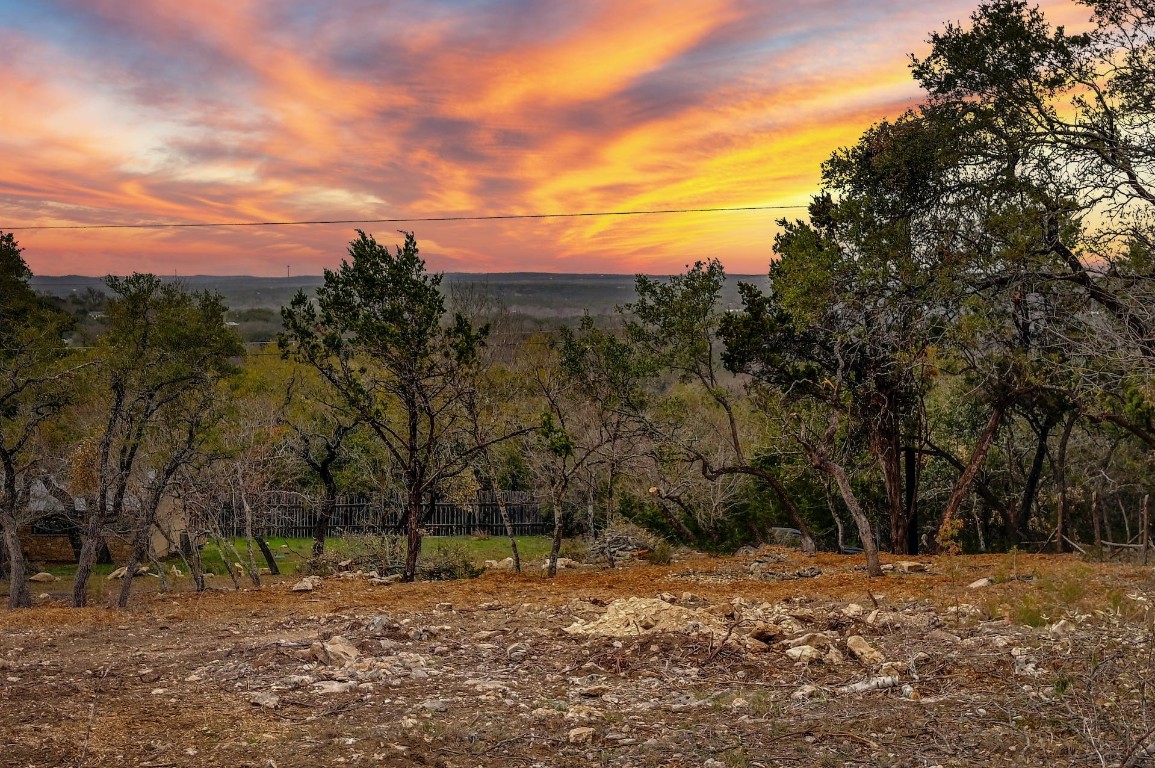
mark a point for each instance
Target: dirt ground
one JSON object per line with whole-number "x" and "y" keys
{"x": 689, "y": 664}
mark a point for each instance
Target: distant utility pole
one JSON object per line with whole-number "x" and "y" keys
{"x": 287, "y": 268}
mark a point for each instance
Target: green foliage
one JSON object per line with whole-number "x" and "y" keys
{"x": 557, "y": 440}
{"x": 376, "y": 335}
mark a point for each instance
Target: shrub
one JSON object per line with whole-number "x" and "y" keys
{"x": 447, "y": 562}
{"x": 662, "y": 553}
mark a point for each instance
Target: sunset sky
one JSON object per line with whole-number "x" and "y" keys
{"x": 246, "y": 110}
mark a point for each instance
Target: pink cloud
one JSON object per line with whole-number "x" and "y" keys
{"x": 223, "y": 110}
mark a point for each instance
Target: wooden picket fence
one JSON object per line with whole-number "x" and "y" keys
{"x": 292, "y": 516}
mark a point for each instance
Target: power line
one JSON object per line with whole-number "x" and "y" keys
{"x": 406, "y": 220}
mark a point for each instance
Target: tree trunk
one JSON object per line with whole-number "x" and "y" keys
{"x": 1095, "y": 523}
{"x": 1030, "y": 490}
{"x": 89, "y": 548}
{"x": 267, "y": 553}
{"x": 413, "y": 534}
{"x": 19, "y": 595}
{"x": 865, "y": 531}
{"x": 676, "y": 522}
{"x": 838, "y": 528}
{"x": 808, "y": 545}
{"x": 911, "y": 501}
{"x": 555, "y": 543}
{"x": 324, "y": 517}
{"x": 139, "y": 554}
{"x": 1061, "y": 477}
{"x": 503, "y": 510}
{"x": 966, "y": 478}
{"x": 886, "y": 451}
{"x": 196, "y": 568}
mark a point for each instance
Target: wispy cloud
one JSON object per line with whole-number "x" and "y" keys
{"x": 241, "y": 110}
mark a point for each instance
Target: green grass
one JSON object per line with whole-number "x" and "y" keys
{"x": 291, "y": 554}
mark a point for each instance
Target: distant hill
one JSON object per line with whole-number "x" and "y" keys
{"x": 535, "y": 294}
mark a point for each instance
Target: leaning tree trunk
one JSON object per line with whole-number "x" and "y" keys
{"x": 140, "y": 547}
{"x": 808, "y": 545}
{"x": 1064, "y": 520}
{"x": 865, "y": 531}
{"x": 962, "y": 486}
{"x": 503, "y": 510}
{"x": 1017, "y": 521}
{"x": 89, "y": 548}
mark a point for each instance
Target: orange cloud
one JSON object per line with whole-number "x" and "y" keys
{"x": 243, "y": 110}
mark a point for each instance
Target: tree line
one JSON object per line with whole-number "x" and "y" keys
{"x": 954, "y": 352}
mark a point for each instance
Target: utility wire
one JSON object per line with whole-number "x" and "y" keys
{"x": 407, "y": 220}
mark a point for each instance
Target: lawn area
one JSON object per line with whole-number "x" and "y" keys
{"x": 291, "y": 554}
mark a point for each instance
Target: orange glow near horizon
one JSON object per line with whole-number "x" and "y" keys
{"x": 229, "y": 110}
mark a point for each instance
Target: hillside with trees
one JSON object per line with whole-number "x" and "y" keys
{"x": 952, "y": 352}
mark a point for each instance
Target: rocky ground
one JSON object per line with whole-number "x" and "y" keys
{"x": 766, "y": 659}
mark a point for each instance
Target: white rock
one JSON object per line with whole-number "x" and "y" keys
{"x": 339, "y": 652}
{"x": 43, "y": 577}
{"x": 804, "y": 653}
{"x": 562, "y": 562}
{"x": 980, "y": 583}
{"x": 833, "y": 657}
{"x": 581, "y": 735}
{"x": 804, "y": 693}
{"x": 334, "y": 686}
{"x": 864, "y": 651}
{"x": 265, "y": 699}
{"x": 307, "y": 584}
{"x": 816, "y": 639}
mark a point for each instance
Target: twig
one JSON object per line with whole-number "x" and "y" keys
{"x": 729, "y": 631}
{"x": 91, "y": 719}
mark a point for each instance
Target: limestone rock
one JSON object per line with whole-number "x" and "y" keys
{"x": 581, "y": 735}
{"x": 980, "y": 583}
{"x": 804, "y": 693}
{"x": 804, "y": 653}
{"x": 122, "y": 572}
{"x": 43, "y": 577}
{"x": 633, "y": 616}
{"x": 517, "y": 651}
{"x": 766, "y": 633}
{"x": 864, "y": 651}
{"x": 339, "y": 652}
{"x": 380, "y": 581}
{"x": 501, "y": 565}
{"x": 265, "y": 699}
{"x": 942, "y": 636}
{"x": 816, "y": 639}
{"x": 307, "y": 584}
